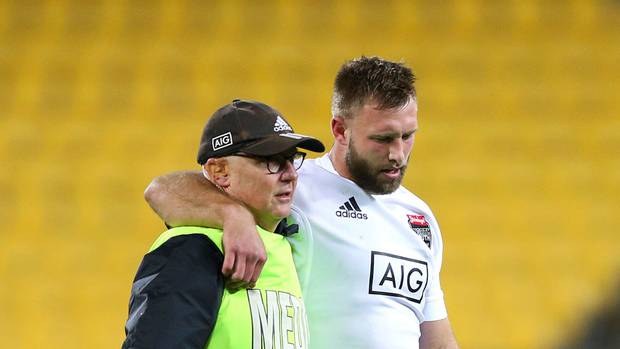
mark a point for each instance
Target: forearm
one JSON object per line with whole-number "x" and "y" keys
{"x": 437, "y": 335}
{"x": 187, "y": 198}
{"x": 448, "y": 343}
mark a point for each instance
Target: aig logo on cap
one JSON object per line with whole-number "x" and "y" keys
{"x": 222, "y": 141}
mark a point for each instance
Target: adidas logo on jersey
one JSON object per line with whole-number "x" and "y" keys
{"x": 281, "y": 125}
{"x": 350, "y": 209}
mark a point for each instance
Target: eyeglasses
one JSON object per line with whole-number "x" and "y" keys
{"x": 277, "y": 163}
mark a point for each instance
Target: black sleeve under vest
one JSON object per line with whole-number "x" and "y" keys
{"x": 176, "y": 295}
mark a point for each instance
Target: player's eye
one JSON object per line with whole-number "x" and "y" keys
{"x": 382, "y": 139}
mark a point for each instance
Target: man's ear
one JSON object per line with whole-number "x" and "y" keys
{"x": 218, "y": 170}
{"x": 339, "y": 130}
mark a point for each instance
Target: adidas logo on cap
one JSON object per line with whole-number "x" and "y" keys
{"x": 281, "y": 125}
{"x": 350, "y": 209}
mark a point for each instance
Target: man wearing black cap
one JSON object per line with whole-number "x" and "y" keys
{"x": 178, "y": 299}
{"x": 369, "y": 252}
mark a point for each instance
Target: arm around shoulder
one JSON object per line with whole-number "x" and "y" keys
{"x": 188, "y": 198}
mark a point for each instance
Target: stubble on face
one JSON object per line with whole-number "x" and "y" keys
{"x": 368, "y": 176}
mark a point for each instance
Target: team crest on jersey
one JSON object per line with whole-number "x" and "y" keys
{"x": 420, "y": 226}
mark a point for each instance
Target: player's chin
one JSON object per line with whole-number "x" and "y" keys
{"x": 390, "y": 185}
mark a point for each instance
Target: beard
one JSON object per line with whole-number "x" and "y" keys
{"x": 368, "y": 177}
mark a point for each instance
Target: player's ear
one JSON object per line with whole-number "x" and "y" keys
{"x": 218, "y": 170}
{"x": 339, "y": 130}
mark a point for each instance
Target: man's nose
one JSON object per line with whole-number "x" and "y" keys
{"x": 289, "y": 173}
{"x": 397, "y": 151}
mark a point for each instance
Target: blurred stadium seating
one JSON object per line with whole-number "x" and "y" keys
{"x": 518, "y": 152}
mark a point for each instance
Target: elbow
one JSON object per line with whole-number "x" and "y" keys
{"x": 151, "y": 192}
{"x": 154, "y": 195}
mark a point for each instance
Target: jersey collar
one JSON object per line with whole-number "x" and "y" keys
{"x": 325, "y": 163}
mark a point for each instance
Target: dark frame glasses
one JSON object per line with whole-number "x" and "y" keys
{"x": 277, "y": 163}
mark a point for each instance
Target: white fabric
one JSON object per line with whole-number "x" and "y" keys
{"x": 351, "y": 269}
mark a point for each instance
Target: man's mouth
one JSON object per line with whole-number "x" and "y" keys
{"x": 286, "y": 195}
{"x": 392, "y": 173}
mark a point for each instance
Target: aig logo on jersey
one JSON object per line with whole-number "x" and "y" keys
{"x": 419, "y": 224}
{"x": 397, "y": 276}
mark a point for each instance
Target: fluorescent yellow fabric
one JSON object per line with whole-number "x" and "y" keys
{"x": 271, "y": 315}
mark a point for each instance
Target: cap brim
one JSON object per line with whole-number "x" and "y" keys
{"x": 278, "y": 143}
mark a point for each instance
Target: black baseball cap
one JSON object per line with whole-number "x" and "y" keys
{"x": 250, "y": 127}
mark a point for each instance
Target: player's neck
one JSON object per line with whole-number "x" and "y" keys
{"x": 337, "y": 155}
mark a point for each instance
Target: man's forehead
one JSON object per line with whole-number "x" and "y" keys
{"x": 412, "y": 102}
{"x": 401, "y": 118}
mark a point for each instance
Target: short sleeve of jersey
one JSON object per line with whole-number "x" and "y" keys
{"x": 435, "y": 308}
{"x": 176, "y": 295}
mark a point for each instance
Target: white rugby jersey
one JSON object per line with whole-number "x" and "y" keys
{"x": 368, "y": 264}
